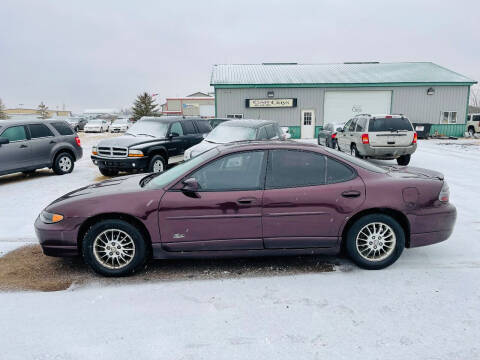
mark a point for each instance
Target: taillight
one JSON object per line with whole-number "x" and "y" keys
{"x": 365, "y": 139}
{"x": 444, "y": 195}
{"x": 415, "y": 138}
{"x": 77, "y": 139}
{"x": 334, "y": 135}
{"x": 388, "y": 117}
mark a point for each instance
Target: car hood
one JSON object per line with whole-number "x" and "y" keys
{"x": 127, "y": 141}
{"x": 202, "y": 147}
{"x": 411, "y": 172}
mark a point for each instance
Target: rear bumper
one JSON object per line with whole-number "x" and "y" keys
{"x": 385, "y": 152}
{"x": 59, "y": 239}
{"x": 78, "y": 153}
{"x": 433, "y": 225}
{"x": 122, "y": 163}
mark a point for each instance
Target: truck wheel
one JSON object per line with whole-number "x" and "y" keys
{"x": 63, "y": 164}
{"x": 354, "y": 151}
{"x": 157, "y": 164}
{"x": 108, "y": 172}
{"x": 403, "y": 160}
{"x": 471, "y": 131}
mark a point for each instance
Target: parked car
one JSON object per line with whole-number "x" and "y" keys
{"x": 77, "y": 123}
{"x": 379, "y": 137}
{"x": 217, "y": 121}
{"x": 473, "y": 124}
{"x": 96, "y": 125}
{"x": 149, "y": 145}
{"x": 248, "y": 199}
{"x": 286, "y": 132}
{"x": 328, "y": 135}
{"x": 237, "y": 130}
{"x": 120, "y": 125}
{"x": 27, "y": 145}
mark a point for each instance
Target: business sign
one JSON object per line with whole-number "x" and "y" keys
{"x": 270, "y": 103}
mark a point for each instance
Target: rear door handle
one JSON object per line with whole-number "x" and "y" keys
{"x": 351, "y": 194}
{"x": 247, "y": 201}
{"x": 23, "y": 146}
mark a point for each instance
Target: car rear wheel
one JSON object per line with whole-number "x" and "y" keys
{"x": 63, "y": 164}
{"x": 157, "y": 164}
{"x": 403, "y": 160}
{"x": 354, "y": 151}
{"x": 114, "y": 247}
{"x": 375, "y": 241}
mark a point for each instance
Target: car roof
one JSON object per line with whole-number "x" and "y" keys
{"x": 169, "y": 119}
{"x": 267, "y": 144}
{"x": 251, "y": 123}
{"x": 28, "y": 121}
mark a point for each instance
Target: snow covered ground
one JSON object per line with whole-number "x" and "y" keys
{"x": 425, "y": 306}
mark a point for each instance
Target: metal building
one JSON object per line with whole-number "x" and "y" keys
{"x": 304, "y": 97}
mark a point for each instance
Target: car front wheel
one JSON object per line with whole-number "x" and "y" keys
{"x": 114, "y": 247}
{"x": 157, "y": 164}
{"x": 375, "y": 241}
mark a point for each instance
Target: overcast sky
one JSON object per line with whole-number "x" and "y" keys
{"x": 101, "y": 54}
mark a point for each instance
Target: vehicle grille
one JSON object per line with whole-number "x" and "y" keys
{"x": 112, "y": 151}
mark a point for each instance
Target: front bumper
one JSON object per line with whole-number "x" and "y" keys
{"x": 121, "y": 163}
{"x": 92, "y": 130}
{"x": 385, "y": 152}
{"x": 432, "y": 225}
{"x": 59, "y": 239}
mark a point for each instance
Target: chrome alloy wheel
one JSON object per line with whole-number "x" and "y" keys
{"x": 114, "y": 248}
{"x": 376, "y": 241}
{"x": 65, "y": 163}
{"x": 158, "y": 166}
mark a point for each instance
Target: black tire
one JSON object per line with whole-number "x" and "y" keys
{"x": 403, "y": 160}
{"x": 140, "y": 254}
{"x": 76, "y": 128}
{"x": 108, "y": 172}
{"x": 63, "y": 164}
{"x": 154, "y": 163}
{"x": 471, "y": 131}
{"x": 355, "y": 230}
{"x": 334, "y": 144}
{"x": 354, "y": 151}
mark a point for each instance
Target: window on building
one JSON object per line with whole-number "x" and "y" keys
{"x": 234, "y": 116}
{"x": 448, "y": 117}
{"x": 39, "y": 131}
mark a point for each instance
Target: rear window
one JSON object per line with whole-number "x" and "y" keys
{"x": 391, "y": 124}
{"x": 203, "y": 126}
{"x": 62, "y": 128}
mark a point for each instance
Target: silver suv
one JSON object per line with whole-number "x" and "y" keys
{"x": 379, "y": 137}
{"x": 27, "y": 145}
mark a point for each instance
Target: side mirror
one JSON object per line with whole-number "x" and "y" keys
{"x": 173, "y": 134}
{"x": 4, "y": 141}
{"x": 191, "y": 187}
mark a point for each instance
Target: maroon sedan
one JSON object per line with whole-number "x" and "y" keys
{"x": 256, "y": 198}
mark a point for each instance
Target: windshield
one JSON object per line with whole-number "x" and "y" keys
{"x": 120, "y": 121}
{"x": 390, "y": 124}
{"x": 356, "y": 161}
{"x": 95, "y": 122}
{"x": 225, "y": 134}
{"x": 149, "y": 127}
{"x": 168, "y": 176}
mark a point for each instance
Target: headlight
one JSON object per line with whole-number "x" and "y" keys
{"x": 49, "y": 218}
{"x": 94, "y": 150}
{"x": 135, "y": 153}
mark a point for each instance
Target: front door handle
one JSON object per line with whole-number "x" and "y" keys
{"x": 23, "y": 146}
{"x": 244, "y": 201}
{"x": 351, "y": 194}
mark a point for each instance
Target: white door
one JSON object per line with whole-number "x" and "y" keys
{"x": 340, "y": 106}
{"x": 308, "y": 124}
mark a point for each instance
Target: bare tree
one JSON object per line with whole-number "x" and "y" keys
{"x": 475, "y": 95}
{"x": 42, "y": 111}
{"x": 3, "y": 114}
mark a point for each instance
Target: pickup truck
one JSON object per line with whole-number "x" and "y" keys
{"x": 149, "y": 145}
{"x": 473, "y": 124}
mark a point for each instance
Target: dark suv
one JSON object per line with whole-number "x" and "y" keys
{"x": 149, "y": 145}
{"x": 27, "y": 145}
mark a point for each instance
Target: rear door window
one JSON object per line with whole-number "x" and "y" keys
{"x": 390, "y": 124}
{"x": 63, "y": 128}
{"x": 361, "y": 125}
{"x": 262, "y": 134}
{"x": 270, "y": 131}
{"x": 203, "y": 126}
{"x": 188, "y": 127}
{"x": 39, "y": 131}
{"x": 15, "y": 133}
{"x": 293, "y": 168}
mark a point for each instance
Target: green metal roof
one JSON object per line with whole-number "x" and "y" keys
{"x": 329, "y": 75}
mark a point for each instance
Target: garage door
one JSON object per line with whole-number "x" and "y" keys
{"x": 340, "y": 106}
